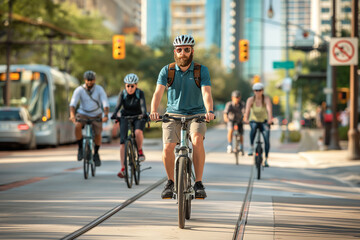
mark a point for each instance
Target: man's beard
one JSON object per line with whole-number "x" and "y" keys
{"x": 183, "y": 61}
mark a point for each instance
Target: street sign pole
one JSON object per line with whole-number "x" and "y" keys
{"x": 353, "y": 134}
{"x": 334, "y": 136}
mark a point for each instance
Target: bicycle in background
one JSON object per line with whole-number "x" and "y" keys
{"x": 131, "y": 161}
{"x": 88, "y": 146}
{"x": 236, "y": 148}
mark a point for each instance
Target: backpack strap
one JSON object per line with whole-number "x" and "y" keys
{"x": 197, "y": 77}
{"x": 171, "y": 74}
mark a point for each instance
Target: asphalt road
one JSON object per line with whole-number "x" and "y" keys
{"x": 43, "y": 196}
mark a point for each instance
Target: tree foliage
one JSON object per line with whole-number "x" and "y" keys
{"x": 144, "y": 61}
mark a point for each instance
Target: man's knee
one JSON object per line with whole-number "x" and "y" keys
{"x": 197, "y": 139}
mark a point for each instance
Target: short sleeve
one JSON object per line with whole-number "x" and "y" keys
{"x": 205, "y": 76}
{"x": 162, "y": 78}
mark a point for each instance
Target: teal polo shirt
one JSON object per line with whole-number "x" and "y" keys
{"x": 184, "y": 96}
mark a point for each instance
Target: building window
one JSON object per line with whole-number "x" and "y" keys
{"x": 325, "y": 21}
{"x": 346, "y": 9}
{"x": 325, "y": 10}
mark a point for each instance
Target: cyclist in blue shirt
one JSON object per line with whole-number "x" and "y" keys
{"x": 185, "y": 98}
{"x": 92, "y": 98}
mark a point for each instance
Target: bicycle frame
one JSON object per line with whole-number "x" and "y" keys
{"x": 89, "y": 137}
{"x": 184, "y": 150}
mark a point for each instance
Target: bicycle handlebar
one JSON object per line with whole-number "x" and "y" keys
{"x": 89, "y": 121}
{"x": 166, "y": 118}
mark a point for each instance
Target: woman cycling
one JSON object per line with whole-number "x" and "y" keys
{"x": 259, "y": 108}
{"x": 132, "y": 99}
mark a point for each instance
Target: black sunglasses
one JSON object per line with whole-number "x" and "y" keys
{"x": 258, "y": 90}
{"x": 130, "y": 86}
{"x": 90, "y": 79}
{"x": 179, "y": 50}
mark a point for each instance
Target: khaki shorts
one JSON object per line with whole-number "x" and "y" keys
{"x": 171, "y": 130}
{"x": 97, "y": 126}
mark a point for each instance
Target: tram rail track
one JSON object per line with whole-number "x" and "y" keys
{"x": 111, "y": 212}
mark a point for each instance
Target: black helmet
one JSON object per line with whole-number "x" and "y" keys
{"x": 89, "y": 75}
{"x": 236, "y": 93}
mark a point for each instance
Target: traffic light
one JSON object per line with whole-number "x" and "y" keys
{"x": 118, "y": 46}
{"x": 256, "y": 79}
{"x": 343, "y": 95}
{"x": 243, "y": 50}
{"x": 276, "y": 100}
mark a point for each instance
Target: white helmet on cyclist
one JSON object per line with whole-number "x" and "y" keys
{"x": 184, "y": 40}
{"x": 131, "y": 78}
{"x": 258, "y": 86}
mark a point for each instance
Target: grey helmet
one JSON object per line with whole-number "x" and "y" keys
{"x": 89, "y": 75}
{"x": 236, "y": 94}
{"x": 184, "y": 40}
{"x": 131, "y": 78}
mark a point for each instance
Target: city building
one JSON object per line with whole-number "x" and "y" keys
{"x": 167, "y": 18}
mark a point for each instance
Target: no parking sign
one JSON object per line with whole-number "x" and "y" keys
{"x": 343, "y": 51}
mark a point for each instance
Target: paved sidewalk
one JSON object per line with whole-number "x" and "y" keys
{"x": 336, "y": 164}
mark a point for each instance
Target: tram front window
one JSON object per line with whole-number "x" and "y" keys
{"x": 31, "y": 90}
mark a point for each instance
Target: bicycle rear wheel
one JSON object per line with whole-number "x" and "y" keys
{"x": 182, "y": 184}
{"x": 136, "y": 165}
{"x": 93, "y": 169}
{"x": 87, "y": 155}
{"x": 128, "y": 164}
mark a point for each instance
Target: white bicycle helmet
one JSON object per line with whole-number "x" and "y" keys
{"x": 131, "y": 78}
{"x": 258, "y": 86}
{"x": 184, "y": 40}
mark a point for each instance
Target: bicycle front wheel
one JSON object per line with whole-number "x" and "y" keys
{"x": 129, "y": 155}
{"x": 87, "y": 156}
{"x": 136, "y": 165}
{"x": 188, "y": 200}
{"x": 182, "y": 184}
{"x": 258, "y": 160}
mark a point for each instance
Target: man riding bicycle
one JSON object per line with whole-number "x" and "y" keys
{"x": 185, "y": 98}
{"x": 260, "y": 108}
{"x": 233, "y": 116}
{"x": 92, "y": 98}
{"x": 132, "y": 99}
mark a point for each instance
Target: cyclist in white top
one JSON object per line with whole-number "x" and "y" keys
{"x": 92, "y": 99}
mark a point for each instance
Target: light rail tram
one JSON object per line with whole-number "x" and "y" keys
{"x": 46, "y": 93}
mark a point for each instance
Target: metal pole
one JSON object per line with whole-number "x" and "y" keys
{"x": 7, "y": 94}
{"x": 353, "y": 134}
{"x": 287, "y": 110}
{"x": 334, "y": 137}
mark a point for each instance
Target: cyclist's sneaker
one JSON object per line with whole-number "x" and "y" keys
{"x": 141, "y": 155}
{"x": 121, "y": 174}
{"x": 242, "y": 151}
{"x": 199, "y": 190}
{"x": 266, "y": 164}
{"x": 97, "y": 160}
{"x": 251, "y": 150}
{"x": 80, "y": 154}
{"x": 229, "y": 149}
{"x": 168, "y": 191}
